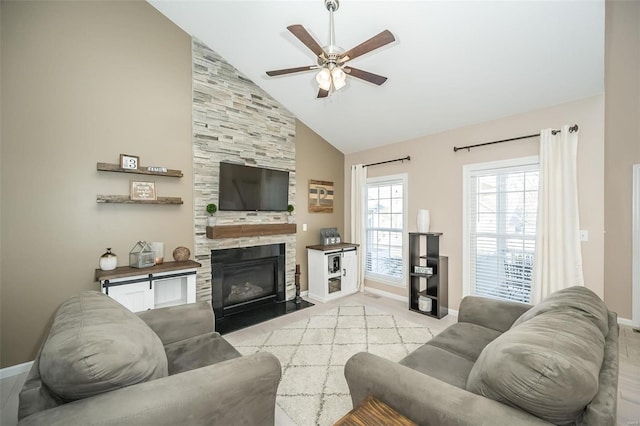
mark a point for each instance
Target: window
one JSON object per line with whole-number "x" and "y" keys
{"x": 501, "y": 203}
{"x": 385, "y": 229}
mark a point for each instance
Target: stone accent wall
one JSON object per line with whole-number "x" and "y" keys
{"x": 236, "y": 121}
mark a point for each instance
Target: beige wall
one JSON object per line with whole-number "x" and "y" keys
{"x": 622, "y": 147}
{"x": 83, "y": 82}
{"x": 317, "y": 160}
{"x": 435, "y": 178}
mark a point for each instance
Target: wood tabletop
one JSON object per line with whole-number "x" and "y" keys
{"x": 373, "y": 412}
{"x": 329, "y": 247}
{"x": 127, "y": 271}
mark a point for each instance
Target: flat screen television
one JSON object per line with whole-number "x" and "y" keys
{"x": 246, "y": 188}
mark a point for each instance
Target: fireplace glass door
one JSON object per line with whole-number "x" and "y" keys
{"x": 249, "y": 281}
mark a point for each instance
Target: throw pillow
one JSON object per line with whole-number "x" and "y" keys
{"x": 96, "y": 345}
{"x": 547, "y": 366}
{"x": 578, "y": 300}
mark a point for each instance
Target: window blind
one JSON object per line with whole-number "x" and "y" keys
{"x": 503, "y": 204}
{"x": 384, "y": 229}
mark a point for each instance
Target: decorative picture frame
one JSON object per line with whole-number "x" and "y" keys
{"x": 142, "y": 190}
{"x": 320, "y": 196}
{"x": 129, "y": 162}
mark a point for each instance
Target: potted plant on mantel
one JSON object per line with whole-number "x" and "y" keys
{"x": 211, "y": 219}
{"x": 290, "y": 209}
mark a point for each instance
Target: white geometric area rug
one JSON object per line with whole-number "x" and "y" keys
{"x": 313, "y": 352}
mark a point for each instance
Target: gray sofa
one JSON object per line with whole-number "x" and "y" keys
{"x": 102, "y": 364}
{"x": 505, "y": 363}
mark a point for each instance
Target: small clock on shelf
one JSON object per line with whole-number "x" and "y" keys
{"x": 129, "y": 162}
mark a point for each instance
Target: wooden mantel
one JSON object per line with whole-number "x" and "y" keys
{"x": 257, "y": 230}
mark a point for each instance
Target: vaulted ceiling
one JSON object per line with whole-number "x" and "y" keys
{"x": 453, "y": 63}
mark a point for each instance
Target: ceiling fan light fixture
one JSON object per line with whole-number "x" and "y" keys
{"x": 339, "y": 84}
{"x": 337, "y": 74}
{"x": 339, "y": 78}
{"x": 324, "y": 79}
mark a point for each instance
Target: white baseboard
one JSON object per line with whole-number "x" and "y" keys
{"x": 452, "y": 312}
{"x": 624, "y": 321}
{"x": 394, "y": 296}
{"x": 14, "y": 370}
{"x": 385, "y": 294}
{"x": 304, "y": 293}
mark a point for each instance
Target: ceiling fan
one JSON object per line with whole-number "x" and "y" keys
{"x": 332, "y": 59}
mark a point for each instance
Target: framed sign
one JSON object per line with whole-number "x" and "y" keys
{"x": 129, "y": 162}
{"x": 320, "y": 196}
{"x": 141, "y": 191}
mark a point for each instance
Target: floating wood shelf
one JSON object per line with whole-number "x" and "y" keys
{"x": 105, "y": 167}
{"x": 259, "y": 230}
{"x": 125, "y": 199}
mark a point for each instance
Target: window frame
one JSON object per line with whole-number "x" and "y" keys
{"x": 401, "y": 282}
{"x": 467, "y": 170}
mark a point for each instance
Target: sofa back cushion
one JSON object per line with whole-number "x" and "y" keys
{"x": 548, "y": 366}
{"x": 579, "y": 301}
{"x": 96, "y": 345}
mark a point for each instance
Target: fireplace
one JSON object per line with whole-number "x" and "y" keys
{"x": 246, "y": 278}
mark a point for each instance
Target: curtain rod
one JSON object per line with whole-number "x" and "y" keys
{"x": 389, "y": 161}
{"x": 572, "y": 129}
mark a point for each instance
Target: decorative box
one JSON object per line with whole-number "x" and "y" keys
{"x": 427, "y": 270}
{"x": 329, "y": 236}
{"x": 141, "y": 255}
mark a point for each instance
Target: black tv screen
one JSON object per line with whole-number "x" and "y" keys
{"x": 245, "y": 188}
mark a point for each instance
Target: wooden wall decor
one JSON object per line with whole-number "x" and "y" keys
{"x": 320, "y": 196}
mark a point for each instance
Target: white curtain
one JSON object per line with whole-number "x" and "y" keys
{"x": 558, "y": 256}
{"x": 358, "y": 206}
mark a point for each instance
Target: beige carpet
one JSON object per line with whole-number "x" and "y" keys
{"x": 313, "y": 353}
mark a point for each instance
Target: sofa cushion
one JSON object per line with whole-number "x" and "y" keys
{"x": 450, "y": 355}
{"x": 465, "y": 339}
{"x": 440, "y": 364}
{"x": 96, "y": 345}
{"x": 198, "y": 351}
{"x": 548, "y": 365}
{"x": 577, "y": 300}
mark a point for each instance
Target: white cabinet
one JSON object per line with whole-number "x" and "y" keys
{"x": 332, "y": 271}
{"x": 135, "y": 296}
{"x": 167, "y": 284}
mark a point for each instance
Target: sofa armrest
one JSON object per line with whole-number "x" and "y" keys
{"x": 495, "y": 314}
{"x": 241, "y": 391}
{"x": 180, "y": 322}
{"x": 603, "y": 407}
{"x": 424, "y": 399}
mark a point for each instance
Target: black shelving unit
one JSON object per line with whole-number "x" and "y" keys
{"x": 430, "y": 279}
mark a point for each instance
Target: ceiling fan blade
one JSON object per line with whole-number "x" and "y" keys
{"x": 290, "y": 70}
{"x": 323, "y": 93}
{"x": 365, "y": 75}
{"x": 306, "y": 39}
{"x": 385, "y": 37}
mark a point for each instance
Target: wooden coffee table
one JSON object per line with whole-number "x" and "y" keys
{"x": 373, "y": 412}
